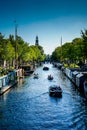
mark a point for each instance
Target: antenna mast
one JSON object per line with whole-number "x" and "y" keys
{"x": 16, "y": 55}
{"x": 61, "y": 50}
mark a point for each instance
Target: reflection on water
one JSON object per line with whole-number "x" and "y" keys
{"x": 28, "y": 105}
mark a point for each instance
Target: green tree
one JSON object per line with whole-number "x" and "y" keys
{"x": 78, "y": 48}
{"x": 10, "y": 52}
{"x": 56, "y": 54}
{"x": 84, "y": 37}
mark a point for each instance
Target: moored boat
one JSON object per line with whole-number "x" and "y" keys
{"x": 55, "y": 91}
{"x": 28, "y": 69}
{"x": 85, "y": 88}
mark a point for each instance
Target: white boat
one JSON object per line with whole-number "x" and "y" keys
{"x": 55, "y": 91}
{"x": 85, "y": 88}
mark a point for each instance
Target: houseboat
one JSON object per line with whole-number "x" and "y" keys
{"x": 85, "y": 88}
{"x": 28, "y": 69}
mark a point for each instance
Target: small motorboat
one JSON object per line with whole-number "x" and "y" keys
{"x": 36, "y": 76}
{"x": 45, "y": 68}
{"x": 50, "y": 77}
{"x": 55, "y": 91}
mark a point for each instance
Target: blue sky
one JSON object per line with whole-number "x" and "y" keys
{"x": 49, "y": 19}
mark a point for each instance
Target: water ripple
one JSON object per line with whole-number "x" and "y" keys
{"x": 28, "y": 105}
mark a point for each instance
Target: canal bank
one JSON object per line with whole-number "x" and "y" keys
{"x": 6, "y": 88}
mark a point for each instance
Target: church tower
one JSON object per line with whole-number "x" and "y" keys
{"x": 36, "y": 41}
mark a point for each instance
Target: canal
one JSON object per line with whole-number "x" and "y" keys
{"x": 28, "y": 105}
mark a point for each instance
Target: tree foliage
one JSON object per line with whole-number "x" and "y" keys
{"x": 74, "y": 51}
{"x": 84, "y": 37}
{"x": 11, "y": 48}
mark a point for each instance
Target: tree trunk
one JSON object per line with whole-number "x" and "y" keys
{"x": 4, "y": 64}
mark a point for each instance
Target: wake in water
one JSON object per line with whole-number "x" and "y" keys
{"x": 39, "y": 95}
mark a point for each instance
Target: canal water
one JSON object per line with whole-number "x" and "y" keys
{"x": 28, "y": 105}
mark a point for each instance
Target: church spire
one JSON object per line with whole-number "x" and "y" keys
{"x": 36, "y": 41}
